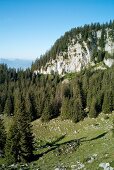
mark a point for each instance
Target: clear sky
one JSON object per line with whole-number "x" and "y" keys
{"x": 30, "y": 27}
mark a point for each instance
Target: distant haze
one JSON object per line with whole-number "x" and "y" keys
{"x": 16, "y": 63}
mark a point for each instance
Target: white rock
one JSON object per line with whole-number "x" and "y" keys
{"x": 90, "y": 160}
{"x": 109, "y": 62}
{"x": 109, "y": 46}
{"x": 99, "y": 34}
{"x": 106, "y": 166}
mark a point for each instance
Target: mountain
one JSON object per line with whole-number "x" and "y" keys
{"x": 54, "y": 112}
{"x": 79, "y": 48}
{"x": 16, "y": 63}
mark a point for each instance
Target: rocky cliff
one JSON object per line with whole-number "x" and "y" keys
{"x": 79, "y": 53}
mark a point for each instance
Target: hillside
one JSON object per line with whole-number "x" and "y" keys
{"x": 79, "y": 48}
{"x": 54, "y": 122}
{"x": 64, "y": 145}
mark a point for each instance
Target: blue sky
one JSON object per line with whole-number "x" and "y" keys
{"x": 30, "y": 27}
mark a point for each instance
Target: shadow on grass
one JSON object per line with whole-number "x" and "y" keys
{"x": 50, "y": 144}
{"x": 54, "y": 145}
{"x": 97, "y": 137}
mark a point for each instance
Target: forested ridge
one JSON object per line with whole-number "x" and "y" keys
{"x": 88, "y": 34}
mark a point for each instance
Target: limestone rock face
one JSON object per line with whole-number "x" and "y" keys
{"x": 76, "y": 57}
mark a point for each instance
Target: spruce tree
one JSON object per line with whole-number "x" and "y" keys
{"x": 93, "y": 109}
{"x": 77, "y": 110}
{"x": 47, "y": 111}
{"x": 2, "y": 135}
{"x": 65, "y": 114}
{"x": 0, "y": 108}
{"x": 28, "y": 107}
{"x": 26, "y": 138}
{"x": 8, "y": 110}
{"x": 20, "y": 139}
{"x": 77, "y": 105}
{"x": 107, "y": 102}
{"x": 12, "y": 145}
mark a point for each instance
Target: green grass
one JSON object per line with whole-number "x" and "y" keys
{"x": 64, "y": 143}
{"x": 94, "y": 136}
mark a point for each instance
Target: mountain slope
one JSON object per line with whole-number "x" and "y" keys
{"x": 79, "y": 48}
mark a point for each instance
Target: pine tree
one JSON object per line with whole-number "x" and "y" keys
{"x": 77, "y": 110}
{"x": 12, "y": 145}
{"x": 65, "y": 114}
{"x": 102, "y": 40}
{"x": 93, "y": 109}
{"x": 20, "y": 139}
{"x": 0, "y": 109}
{"x": 2, "y": 135}
{"x": 94, "y": 55}
{"x": 47, "y": 111}
{"x": 8, "y": 110}
{"x": 28, "y": 107}
{"x": 17, "y": 100}
{"x": 77, "y": 105}
{"x": 107, "y": 102}
{"x": 26, "y": 138}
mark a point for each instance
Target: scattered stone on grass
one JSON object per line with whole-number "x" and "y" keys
{"x": 78, "y": 166}
{"x": 106, "y": 166}
{"x": 91, "y": 158}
